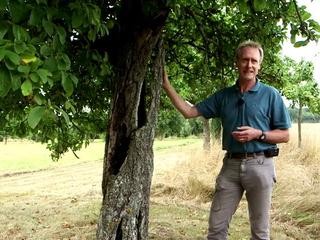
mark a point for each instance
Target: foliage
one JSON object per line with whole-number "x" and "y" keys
{"x": 50, "y": 71}
{"x": 171, "y": 123}
{"x": 201, "y": 39}
{"x": 57, "y": 56}
{"x": 301, "y": 87}
{"x": 307, "y": 115}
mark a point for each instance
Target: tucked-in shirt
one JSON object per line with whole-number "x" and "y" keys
{"x": 261, "y": 107}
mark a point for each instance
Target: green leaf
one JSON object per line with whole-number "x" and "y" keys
{"x": 2, "y": 53}
{"x": 34, "y": 77}
{"x": 26, "y": 59}
{"x": 45, "y": 50}
{"x": 110, "y": 22}
{"x": 18, "y": 11}
{"x": 38, "y": 99}
{"x": 44, "y": 74}
{"x": 13, "y": 57}
{"x": 259, "y": 5}
{"x": 74, "y": 79}
{"x": 293, "y": 38}
{"x": 243, "y": 7}
{"x": 3, "y": 29}
{"x": 68, "y": 105}
{"x": 50, "y": 64}
{"x": 48, "y": 27}
{"x": 31, "y": 50}
{"x": 300, "y": 43}
{"x": 35, "y": 115}
{"x": 62, "y": 34}
{"x": 3, "y": 5}
{"x": 36, "y": 17}
{"x": 15, "y": 82}
{"x": 67, "y": 84}
{"x": 19, "y": 47}
{"x": 24, "y": 69}
{"x": 26, "y": 88}
{"x": 5, "y": 83}
{"x": 77, "y": 19}
{"x": 65, "y": 116}
{"x": 56, "y": 42}
{"x": 315, "y": 25}
{"x": 16, "y": 32}
{"x": 63, "y": 62}
{"x": 92, "y": 34}
{"x": 45, "y": 2}
{"x": 9, "y": 64}
{"x": 305, "y": 16}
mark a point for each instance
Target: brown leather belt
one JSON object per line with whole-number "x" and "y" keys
{"x": 243, "y": 155}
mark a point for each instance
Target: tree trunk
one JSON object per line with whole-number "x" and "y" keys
{"x": 128, "y": 160}
{"x": 206, "y": 135}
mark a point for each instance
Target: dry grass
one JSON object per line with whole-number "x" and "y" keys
{"x": 297, "y": 194}
{"x": 296, "y": 201}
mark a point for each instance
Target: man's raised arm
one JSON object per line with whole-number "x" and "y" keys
{"x": 187, "y": 109}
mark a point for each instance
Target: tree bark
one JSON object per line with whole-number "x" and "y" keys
{"x": 128, "y": 160}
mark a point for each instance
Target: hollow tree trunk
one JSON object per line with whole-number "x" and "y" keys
{"x": 128, "y": 161}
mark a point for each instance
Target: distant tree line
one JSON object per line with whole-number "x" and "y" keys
{"x": 307, "y": 115}
{"x": 172, "y": 124}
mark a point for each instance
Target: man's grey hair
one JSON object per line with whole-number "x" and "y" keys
{"x": 250, "y": 44}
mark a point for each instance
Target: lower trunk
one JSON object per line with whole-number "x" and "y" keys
{"x": 125, "y": 207}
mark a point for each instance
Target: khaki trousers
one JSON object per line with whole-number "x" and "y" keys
{"x": 255, "y": 176}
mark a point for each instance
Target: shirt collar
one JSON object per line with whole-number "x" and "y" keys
{"x": 255, "y": 88}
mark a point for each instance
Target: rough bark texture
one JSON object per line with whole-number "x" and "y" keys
{"x": 128, "y": 161}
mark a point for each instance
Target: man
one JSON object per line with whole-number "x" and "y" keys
{"x": 254, "y": 119}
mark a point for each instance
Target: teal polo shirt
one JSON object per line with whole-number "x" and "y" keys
{"x": 262, "y": 107}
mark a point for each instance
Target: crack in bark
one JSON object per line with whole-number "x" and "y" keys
{"x": 121, "y": 148}
{"x": 142, "y": 115}
{"x": 119, "y": 231}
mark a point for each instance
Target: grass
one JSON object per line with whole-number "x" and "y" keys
{"x": 23, "y": 156}
{"x": 62, "y": 201}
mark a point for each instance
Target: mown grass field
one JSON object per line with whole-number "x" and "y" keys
{"x": 41, "y": 199}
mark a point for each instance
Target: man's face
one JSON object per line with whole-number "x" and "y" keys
{"x": 248, "y": 63}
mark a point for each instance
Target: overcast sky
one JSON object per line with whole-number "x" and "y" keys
{"x": 311, "y": 52}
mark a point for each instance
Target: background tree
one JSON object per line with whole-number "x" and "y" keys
{"x": 307, "y": 115}
{"x": 301, "y": 88}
